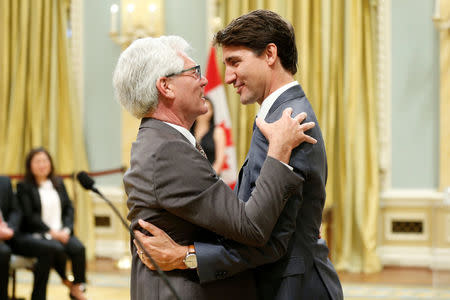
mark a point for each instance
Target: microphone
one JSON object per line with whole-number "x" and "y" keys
{"x": 88, "y": 183}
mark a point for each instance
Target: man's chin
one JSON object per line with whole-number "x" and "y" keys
{"x": 204, "y": 110}
{"x": 245, "y": 101}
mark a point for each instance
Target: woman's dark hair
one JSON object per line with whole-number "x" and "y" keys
{"x": 29, "y": 177}
{"x": 211, "y": 121}
{"x": 256, "y": 30}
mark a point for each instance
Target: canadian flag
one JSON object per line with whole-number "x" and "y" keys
{"x": 215, "y": 91}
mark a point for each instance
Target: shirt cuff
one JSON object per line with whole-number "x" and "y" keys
{"x": 67, "y": 230}
{"x": 47, "y": 236}
{"x": 290, "y": 168}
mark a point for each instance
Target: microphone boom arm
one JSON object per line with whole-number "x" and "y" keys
{"x": 158, "y": 269}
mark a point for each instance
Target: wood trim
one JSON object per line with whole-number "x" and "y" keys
{"x": 383, "y": 88}
{"x": 444, "y": 92}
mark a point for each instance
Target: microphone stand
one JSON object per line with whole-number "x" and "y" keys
{"x": 158, "y": 269}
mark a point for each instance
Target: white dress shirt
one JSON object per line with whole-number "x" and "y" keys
{"x": 268, "y": 102}
{"x": 50, "y": 205}
{"x": 187, "y": 134}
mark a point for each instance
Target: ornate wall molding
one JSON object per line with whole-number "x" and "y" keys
{"x": 442, "y": 22}
{"x": 111, "y": 238}
{"x": 383, "y": 90}
{"x": 410, "y": 198}
{"x": 427, "y": 248}
{"x": 420, "y": 217}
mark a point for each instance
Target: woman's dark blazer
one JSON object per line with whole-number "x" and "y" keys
{"x": 30, "y": 201}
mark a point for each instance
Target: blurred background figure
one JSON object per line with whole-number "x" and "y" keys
{"x": 10, "y": 218}
{"x": 210, "y": 137}
{"x": 47, "y": 226}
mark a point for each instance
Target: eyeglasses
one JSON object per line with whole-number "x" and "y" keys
{"x": 197, "y": 72}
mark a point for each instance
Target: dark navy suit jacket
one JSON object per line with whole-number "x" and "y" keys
{"x": 294, "y": 251}
{"x": 8, "y": 204}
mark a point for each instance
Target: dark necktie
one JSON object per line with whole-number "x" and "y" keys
{"x": 200, "y": 149}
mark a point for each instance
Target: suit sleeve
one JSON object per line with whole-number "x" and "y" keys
{"x": 201, "y": 198}
{"x": 14, "y": 215}
{"x": 67, "y": 207}
{"x": 30, "y": 212}
{"x": 225, "y": 258}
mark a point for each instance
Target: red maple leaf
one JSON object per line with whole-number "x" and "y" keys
{"x": 227, "y": 130}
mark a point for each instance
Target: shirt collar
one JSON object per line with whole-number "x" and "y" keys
{"x": 268, "y": 102}
{"x": 187, "y": 134}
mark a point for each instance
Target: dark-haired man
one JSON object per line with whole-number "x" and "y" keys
{"x": 260, "y": 59}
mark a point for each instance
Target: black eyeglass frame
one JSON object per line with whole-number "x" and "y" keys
{"x": 197, "y": 69}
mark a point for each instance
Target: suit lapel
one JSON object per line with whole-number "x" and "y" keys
{"x": 294, "y": 92}
{"x": 246, "y": 176}
{"x": 36, "y": 198}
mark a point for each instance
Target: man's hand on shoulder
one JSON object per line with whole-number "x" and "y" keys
{"x": 165, "y": 252}
{"x": 285, "y": 134}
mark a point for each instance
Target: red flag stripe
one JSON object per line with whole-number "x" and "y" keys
{"x": 212, "y": 71}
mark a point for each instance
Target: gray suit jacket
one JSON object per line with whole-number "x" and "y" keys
{"x": 172, "y": 185}
{"x": 294, "y": 264}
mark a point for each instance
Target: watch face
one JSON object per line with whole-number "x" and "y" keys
{"x": 191, "y": 261}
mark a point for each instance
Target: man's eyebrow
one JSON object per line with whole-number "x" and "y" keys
{"x": 231, "y": 58}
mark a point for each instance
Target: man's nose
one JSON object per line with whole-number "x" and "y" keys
{"x": 230, "y": 77}
{"x": 204, "y": 81}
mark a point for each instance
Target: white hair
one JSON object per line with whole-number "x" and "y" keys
{"x": 140, "y": 65}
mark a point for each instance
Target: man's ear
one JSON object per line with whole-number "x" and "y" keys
{"x": 165, "y": 88}
{"x": 271, "y": 53}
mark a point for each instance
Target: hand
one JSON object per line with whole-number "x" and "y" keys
{"x": 285, "y": 134}
{"x": 164, "y": 251}
{"x": 6, "y": 233}
{"x": 64, "y": 237}
{"x": 60, "y": 235}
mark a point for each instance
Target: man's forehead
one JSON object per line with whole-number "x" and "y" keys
{"x": 230, "y": 53}
{"x": 186, "y": 58}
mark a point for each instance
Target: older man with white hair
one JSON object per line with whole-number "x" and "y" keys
{"x": 172, "y": 185}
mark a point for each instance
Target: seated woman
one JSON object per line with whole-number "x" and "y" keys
{"x": 210, "y": 137}
{"x": 48, "y": 224}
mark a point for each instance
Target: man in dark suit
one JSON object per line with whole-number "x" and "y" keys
{"x": 10, "y": 217}
{"x": 172, "y": 184}
{"x": 260, "y": 59}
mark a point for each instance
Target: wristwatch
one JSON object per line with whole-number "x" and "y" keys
{"x": 190, "y": 260}
{"x": 47, "y": 236}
